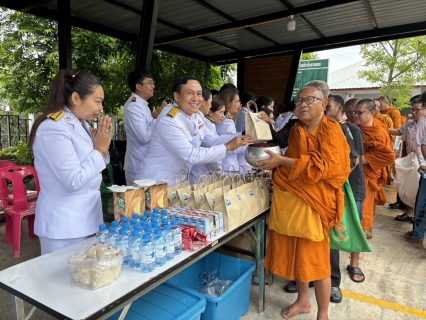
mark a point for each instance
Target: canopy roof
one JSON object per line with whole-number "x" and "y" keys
{"x": 220, "y": 31}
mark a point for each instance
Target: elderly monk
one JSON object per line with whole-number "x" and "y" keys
{"x": 307, "y": 201}
{"x": 350, "y": 108}
{"x": 377, "y": 155}
{"x": 381, "y": 116}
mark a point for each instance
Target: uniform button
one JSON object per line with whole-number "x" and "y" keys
{"x": 68, "y": 119}
{"x": 195, "y": 134}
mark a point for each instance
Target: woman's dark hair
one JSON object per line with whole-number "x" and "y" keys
{"x": 135, "y": 77}
{"x": 267, "y": 111}
{"x": 246, "y": 97}
{"x": 264, "y": 101}
{"x": 206, "y": 93}
{"x": 62, "y": 87}
{"x": 227, "y": 86}
{"x": 227, "y": 96}
{"x": 287, "y": 107}
{"x": 217, "y": 104}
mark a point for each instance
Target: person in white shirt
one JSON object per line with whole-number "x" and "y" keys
{"x": 138, "y": 121}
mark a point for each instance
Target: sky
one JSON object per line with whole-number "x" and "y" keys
{"x": 340, "y": 58}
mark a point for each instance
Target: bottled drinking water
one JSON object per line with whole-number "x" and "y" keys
{"x": 155, "y": 217}
{"x": 111, "y": 237}
{"x": 148, "y": 230}
{"x": 115, "y": 223}
{"x": 147, "y": 214}
{"x": 154, "y": 225}
{"x": 142, "y": 219}
{"x": 133, "y": 222}
{"x": 178, "y": 237}
{"x": 124, "y": 220}
{"x": 164, "y": 214}
{"x": 144, "y": 224}
{"x": 100, "y": 235}
{"x": 134, "y": 250}
{"x": 123, "y": 245}
{"x": 136, "y": 217}
{"x": 170, "y": 242}
{"x": 160, "y": 248}
{"x": 138, "y": 229}
{"x": 147, "y": 252}
{"x": 164, "y": 222}
{"x": 126, "y": 226}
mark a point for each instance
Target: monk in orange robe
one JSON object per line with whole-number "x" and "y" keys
{"x": 392, "y": 112}
{"x": 307, "y": 201}
{"x": 377, "y": 156}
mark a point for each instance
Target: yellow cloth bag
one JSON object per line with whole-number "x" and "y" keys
{"x": 292, "y": 216}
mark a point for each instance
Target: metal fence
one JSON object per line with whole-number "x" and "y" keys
{"x": 12, "y": 130}
{"x": 119, "y": 132}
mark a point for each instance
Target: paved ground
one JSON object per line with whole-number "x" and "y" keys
{"x": 394, "y": 288}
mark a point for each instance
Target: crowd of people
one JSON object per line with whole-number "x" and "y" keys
{"x": 325, "y": 143}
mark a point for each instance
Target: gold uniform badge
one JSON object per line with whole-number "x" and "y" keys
{"x": 56, "y": 115}
{"x": 173, "y": 112}
{"x": 134, "y": 99}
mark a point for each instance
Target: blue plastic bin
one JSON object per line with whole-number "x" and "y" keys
{"x": 166, "y": 302}
{"x": 234, "y": 302}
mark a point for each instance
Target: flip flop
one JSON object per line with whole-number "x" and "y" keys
{"x": 355, "y": 271}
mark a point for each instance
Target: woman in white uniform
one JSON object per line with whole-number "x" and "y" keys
{"x": 69, "y": 157}
{"x": 212, "y": 116}
{"x": 232, "y": 107}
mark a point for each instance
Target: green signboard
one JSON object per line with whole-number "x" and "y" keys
{"x": 310, "y": 70}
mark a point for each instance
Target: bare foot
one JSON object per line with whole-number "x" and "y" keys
{"x": 295, "y": 309}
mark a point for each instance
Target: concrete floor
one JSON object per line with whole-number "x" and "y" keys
{"x": 395, "y": 286}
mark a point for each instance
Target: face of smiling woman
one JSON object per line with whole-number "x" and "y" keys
{"x": 190, "y": 97}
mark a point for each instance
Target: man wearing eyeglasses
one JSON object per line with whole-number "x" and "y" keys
{"x": 377, "y": 155}
{"x": 138, "y": 121}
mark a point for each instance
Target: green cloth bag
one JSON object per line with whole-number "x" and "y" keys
{"x": 348, "y": 235}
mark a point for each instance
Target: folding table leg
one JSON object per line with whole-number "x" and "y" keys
{"x": 18, "y": 308}
{"x": 124, "y": 312}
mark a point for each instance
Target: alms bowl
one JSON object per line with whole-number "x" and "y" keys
{"x": 256, "y": 152}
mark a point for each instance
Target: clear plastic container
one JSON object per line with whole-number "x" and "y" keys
{"x": 147, "y": 251}
{"x": 111, "y": 237}
{"x": 134, "y": 250}
{"x": 178, "y": 237}
{"x": 123, "y": 245}
{"x": 169, "y": 236}
{"x": 160, "y": 248}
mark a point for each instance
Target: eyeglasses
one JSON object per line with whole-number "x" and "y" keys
{"x": 151, "y": 83}
{"x": 358, "y": 113}
{"x": 417, "y": 110}
{"x": 309, "y": 100}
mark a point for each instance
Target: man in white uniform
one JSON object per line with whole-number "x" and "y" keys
{"x": 180, "y": 139}
{"x": 138, "y": 121}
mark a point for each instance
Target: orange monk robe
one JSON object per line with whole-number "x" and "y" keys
{"x": 395, "y": 115}
{"x": 321, "y": 167}
{"x": 379, "y": 155}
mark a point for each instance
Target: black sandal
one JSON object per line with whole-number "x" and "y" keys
{"x": 355, "y": 271}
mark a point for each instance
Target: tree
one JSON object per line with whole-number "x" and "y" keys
{"x": 310, "y": 56}
{"x": 395, "y": 66}
{"x": 29, "y": 61}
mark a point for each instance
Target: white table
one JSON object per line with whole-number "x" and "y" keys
{"x": 45, "y": 281}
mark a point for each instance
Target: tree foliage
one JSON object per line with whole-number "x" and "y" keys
{"x": 310, "y": 56}
{"x": 29, "y": 61}
{"x": 396, "y": 66}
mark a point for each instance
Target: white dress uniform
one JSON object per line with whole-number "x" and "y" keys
{"x": 230, "y": 163}
{"x": 240, "y": 120}
{"x": 201, "y": 169}
{"x": 138, "y": 124}
{"x": 69, "y": 170}
{"x": 178, "y": 142}
{"x": 281, "y": 121}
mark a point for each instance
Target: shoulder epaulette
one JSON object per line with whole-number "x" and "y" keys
{"x": 134, "y": 99}
{"x": 173, "y": 112}
{"x": 341, "y": 122}
{"x": 210, "y": 119}
{"x": 228, "y": 116}
{"x": 56, "y": 115}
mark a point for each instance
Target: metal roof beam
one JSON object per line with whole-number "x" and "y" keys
{"x": 229, "y": 18}
{"x": 244, "y": 23}
{"x": 304, "y": 19}
{"x": 35, "y": 5}
{"x": 339, "y": 41}
{"x": 370, "y": 13}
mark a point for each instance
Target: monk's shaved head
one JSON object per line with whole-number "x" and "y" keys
{"x": 369, "y": 104}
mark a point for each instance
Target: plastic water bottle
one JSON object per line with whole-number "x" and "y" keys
{"x": 164, "y": 222}
{"x": 170, "y": 242}
{"x": 154, "y": 225}
{"x": 147, "y": 252}
{"x": 178, "y": 237}
{"x": 142, "y": 219}
{"x": 123, "y": 245}
{"x": 144, "y": 224}
{"x": 100, "y": 235}
{"x": 133, "y": 222}
{"x": 136, "y": 217}
{"x": 155, "y": 218}
{"x": 138, "y": 229}
{"x": 160, "y": 248}
{"x": 134, "y": 250}
{"x": 148, "y": 230}
{"x": 156, "y": 210}
{"x": 124, "y": 220}
{"x": 164, "y": 214}
{"x": 115, "y": 223}
{"x": 127, "y": 227}
{"x": 147, "y": 214}
{"x": 111, "y": 237}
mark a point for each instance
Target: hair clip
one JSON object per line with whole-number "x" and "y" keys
{"x": 73, "y": 76}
